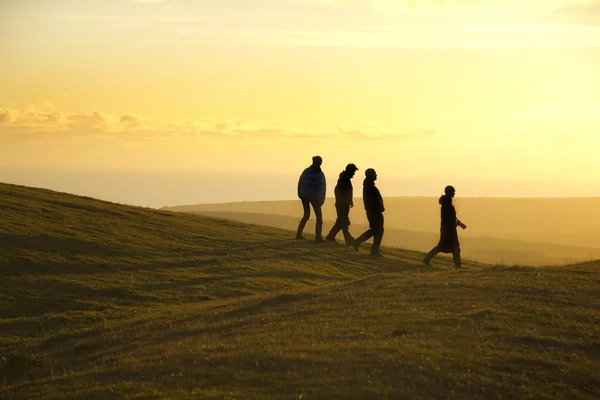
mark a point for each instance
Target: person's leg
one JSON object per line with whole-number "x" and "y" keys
{"x": 333, "y": 232}
{"x": 344, "y": 223}
{"x": 378, "y": 233}
{"x": 366, "y": 235}
{"x": 319, "y": 224}
{"x": 362, "y": 238}
{"x": 305, "y": 217}
{"x": 435, "y": 251}
{"x": 456, "y": 257}
{"x": 348, "y": 238}
{"x": 336, "y": 227}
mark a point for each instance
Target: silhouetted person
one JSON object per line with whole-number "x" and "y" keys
{"x": 343, "y": 203}
{"x": 374, "y": 208}
{"x": 448, "y": 233}
{"x": 311, "y": 190}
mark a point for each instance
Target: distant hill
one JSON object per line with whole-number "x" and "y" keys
{"x": 105, "y": 301}
{"x": 413, "y": 223}
{"x": 568, "y": 221}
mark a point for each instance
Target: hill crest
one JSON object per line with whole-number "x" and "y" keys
{"x": 110, "y": 301}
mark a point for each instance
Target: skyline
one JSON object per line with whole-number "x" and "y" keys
{"x": 477, "y": 91}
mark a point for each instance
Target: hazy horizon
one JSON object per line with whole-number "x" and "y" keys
{"x": 169, "y": 188}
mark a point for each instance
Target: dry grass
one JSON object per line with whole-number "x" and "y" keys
{"x": 105, "y": 301}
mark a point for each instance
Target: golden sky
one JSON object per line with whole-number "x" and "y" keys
{"x": 461, "y": 89}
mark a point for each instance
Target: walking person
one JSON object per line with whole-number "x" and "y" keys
{"x": 374, "y": 208}
{"x": 448, "y": 233}
{"x": 312, "y": 190}
{"x": 343, "y": 203}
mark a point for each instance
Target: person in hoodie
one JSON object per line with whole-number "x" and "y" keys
{"x": 374, "y": 208}
{"x": 343, "y": 203}
{"x": 448, "y": 233}
{"x": 311, "y": 190}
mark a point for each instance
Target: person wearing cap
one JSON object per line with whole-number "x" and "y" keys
{"x": 312, "y": 190}
{"x": 448, "y": 233}
{"x": 343, "y": 203}
{"x": 374, "y": 207}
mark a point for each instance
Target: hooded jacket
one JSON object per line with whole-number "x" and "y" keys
{"x": 344, "y": 190}
{"x": 312, "y": 185}
{"x": 371, "y": 197}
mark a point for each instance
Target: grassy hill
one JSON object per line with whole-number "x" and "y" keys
{"x": 106, "y": 301}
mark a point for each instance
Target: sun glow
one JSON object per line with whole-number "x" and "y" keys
{"x": 175, "y": 85}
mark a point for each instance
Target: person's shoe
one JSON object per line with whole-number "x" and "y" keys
{"x": 350, "y": 243}
{"x": 378, "y": 255}
{"x": 300, "y": 237}
{"x": 330, "y": 239}
{"x": 427, "y": 262}
{"x": 458, "y": 267}
{"x": 319, "y": 240}
{"x": 356, "y": 245}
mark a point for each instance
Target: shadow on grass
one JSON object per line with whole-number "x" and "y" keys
{"x": 273, "y": 302}
{"x": 103, "y": 258}
{"x": 53, "y": 244}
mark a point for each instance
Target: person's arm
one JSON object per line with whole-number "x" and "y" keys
{"x": 323, "y": 187}
{"x": 458, "y": 223}
{"x": 301, "y": 181}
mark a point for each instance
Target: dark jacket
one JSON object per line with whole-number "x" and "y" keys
{"x": 312, "y": 185}
{"x": 448, "y": 234}
{"x": 448, "y": 213}
{"x": 371, "y": 197}
{"x": 343, "y": 190}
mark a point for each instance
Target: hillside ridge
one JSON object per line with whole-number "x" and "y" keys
{"x": 109, "y": 301}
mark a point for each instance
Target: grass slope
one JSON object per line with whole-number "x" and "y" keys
{"x": 106, "y": 301}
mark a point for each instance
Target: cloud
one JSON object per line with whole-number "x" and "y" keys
{"x": 31, "y": 116}
{"x": 354, "y": 133}
{"x": 582, "y": 12}
{"x": 42, "y": 124}
{"x": 8, "y": 115}
{"x": 403, "y": 132}
{"x": 93, "y": 120}
{"x": 322, "y": 2}
{"x": 131, "y": 121}
{"x": 349, "y": 23}
{"x": 483, "y": 12}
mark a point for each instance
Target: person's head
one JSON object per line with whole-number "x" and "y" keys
{"x": 351, "y": 169}
{"x": 317, "y": 161}
{"x": 371, "y": 174}
{"x": 449, "y": 191}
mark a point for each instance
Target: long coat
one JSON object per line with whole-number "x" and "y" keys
{"x": 448, "y": 232}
